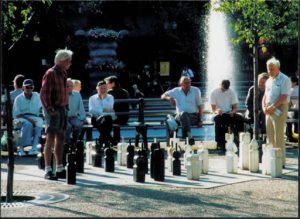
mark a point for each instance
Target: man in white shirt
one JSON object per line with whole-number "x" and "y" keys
{"x": 76, "y": 113}
{"x": 275, "y": 105}
{"x": 26, "y": 111}
{"x": 101, "y": 109}
{"x": 223, "y": 102}
{"x": 188, "y": 102}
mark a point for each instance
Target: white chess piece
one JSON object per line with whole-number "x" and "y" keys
{"x": 244, "y": 150}
{"x": 231, "y": 157}
{"x": 253, "y": 156}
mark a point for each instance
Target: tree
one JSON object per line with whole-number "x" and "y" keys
{"x": 257, "y": 23}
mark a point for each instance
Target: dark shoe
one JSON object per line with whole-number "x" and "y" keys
{"x": 61, "y": 175}
{"x": 50, "y": 176}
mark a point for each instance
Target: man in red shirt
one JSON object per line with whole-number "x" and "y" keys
{"x": 54, "y": 98}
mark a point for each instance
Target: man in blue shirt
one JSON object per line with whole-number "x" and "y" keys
{"x": 26, "y": 111}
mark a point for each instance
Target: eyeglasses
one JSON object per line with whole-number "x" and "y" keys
{"x": 29, "y": 87}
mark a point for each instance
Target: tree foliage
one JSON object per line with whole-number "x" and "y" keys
{"x": 16, "y": 16}
{"x": 251, "y": 20}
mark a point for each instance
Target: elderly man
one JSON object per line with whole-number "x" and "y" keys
{"x": 275, "y": 105}
{"x": 223, "y": 102}
{"x": 26, "y": 111}
{"x": 102, "y": 112}
{"x": 76, "y": 85}
{"x": 262, "y": 78}
{"x": 188, "y": 102}
{"x": 76, "y": 113}
{"x": 55, "y": 98}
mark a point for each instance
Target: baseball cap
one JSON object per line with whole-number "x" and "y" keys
{"x": 28, "y": 82}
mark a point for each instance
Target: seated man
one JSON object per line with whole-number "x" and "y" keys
{"x": 76, "y": 113}
{"x": 26, "y": 111}
{"x": 262, "y": 78}
{"x": 117, "y": 92}
{"x": 223, "y": 102}
{"x": 188, "y": 102}
{"x": 101, "y": 110}
{"x": 76, "y": 85}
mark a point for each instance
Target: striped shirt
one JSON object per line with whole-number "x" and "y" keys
{"x": 54, "y": 88}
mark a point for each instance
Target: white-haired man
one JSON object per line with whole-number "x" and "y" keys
{"x": 275, "y": 105}
{"x": 54, "y": 97}
{"x": 189, "y": 107}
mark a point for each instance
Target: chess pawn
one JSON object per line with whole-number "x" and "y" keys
{"x": 90, "y": 147}
{"x": 121, "y": 154}
{"x": 130, "y": 155}
{"x": 170, "y": 152}
{"x": 244, "y": 150}
{"x": 188, "y": 150}
{"x": 253, "y": 156}
{"x": 79, "y": 156}
{"x": 109, "y": 161}
{"x": 276, "y": 162}
{"x": 193, "y": 167}
{"x": 71, "y": 169}
{"x": 139, "y": 167}
{"x": 153, "y": 146}
{"x": 176, "y": 162}
{"x": 144, "y": 152}
{"x": 231, "y": 157}
{"x": 158, "y": 171}
{"x": 203, "y": 157}
{"x": 40, "y": 156}
{"x": 266, "y": 167}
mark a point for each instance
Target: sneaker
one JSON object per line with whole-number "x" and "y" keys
{"x": 21, "y": 153}
{"x": 33, "y": 152}
{"x": 61, "y": 175}
{"x": 50, "y": 176}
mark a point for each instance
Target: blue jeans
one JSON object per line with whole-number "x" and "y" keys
{"x": 29, "y": 135}
{"x": 73, "y": 125}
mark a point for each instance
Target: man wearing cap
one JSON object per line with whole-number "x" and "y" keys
{"x": 102, "y": 112}
{"x": 54, "y": 97}
{"x": 26, "y": 111}
{"x": 18, "y": 83}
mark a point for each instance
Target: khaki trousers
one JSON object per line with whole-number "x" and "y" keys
{"x": 275, "y": 126}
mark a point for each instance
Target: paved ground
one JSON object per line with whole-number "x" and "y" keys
{"x": 217, "y": 194}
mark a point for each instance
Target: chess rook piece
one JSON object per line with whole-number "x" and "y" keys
{"x": 153, "y": 146}
{"x": 244, "y": 150}
{"x": 130, "y": 155}
{"x": 109, "y": 161}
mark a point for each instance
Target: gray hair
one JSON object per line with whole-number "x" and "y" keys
{"x": 273, "y": 61}
{"x": 62, "y": 54}
{"x": 182, "y": 79}
{"x": 263, "y": 75}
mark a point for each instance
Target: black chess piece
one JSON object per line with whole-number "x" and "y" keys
{"x": 97, "y": 156}
{"x": 144, "y": 152}
{"x": 67, "y": 149}
{"x": 40, "y": 156}
{"x": 130, "y": 155}
{"x": 71, "y": 168}
{"x": 109, "y": 161}
{"x": 176, "y": 162}
{"x": 153, "y": 146}
{"x": 139, "y": 167}
{"x": 80, "y": 156}
{"x": 158, "y": 165}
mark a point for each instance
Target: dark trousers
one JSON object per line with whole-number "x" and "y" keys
{"x": 104, "y": 127}
{"x": 223, "y": 122}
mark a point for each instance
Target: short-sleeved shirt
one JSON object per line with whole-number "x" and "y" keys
{"x": 189, "y": 103}
{"x": 14, "y": 94}
{"x": 76, "y": 108}
{"x": 22, "y": 105}
{"x": 223, "y": 100}
{"x": 281, "y": 85}
{"x": 97, "y": 105}
{"x": 54, "y": 88}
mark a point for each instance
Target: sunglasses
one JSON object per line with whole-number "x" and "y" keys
{"x": 29, "y": 87}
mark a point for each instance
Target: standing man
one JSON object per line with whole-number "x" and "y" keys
{"x": 76, "y": 113}
{"x": 223, "y": 102}
{"x": 275, "y": 105}
{"x": 26, "y": 111}
{"x": 188, "y": 102}
{"x": 54, "y": 97}
{"x": 262, "y": 78}
{"x": 114, "y": 88}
